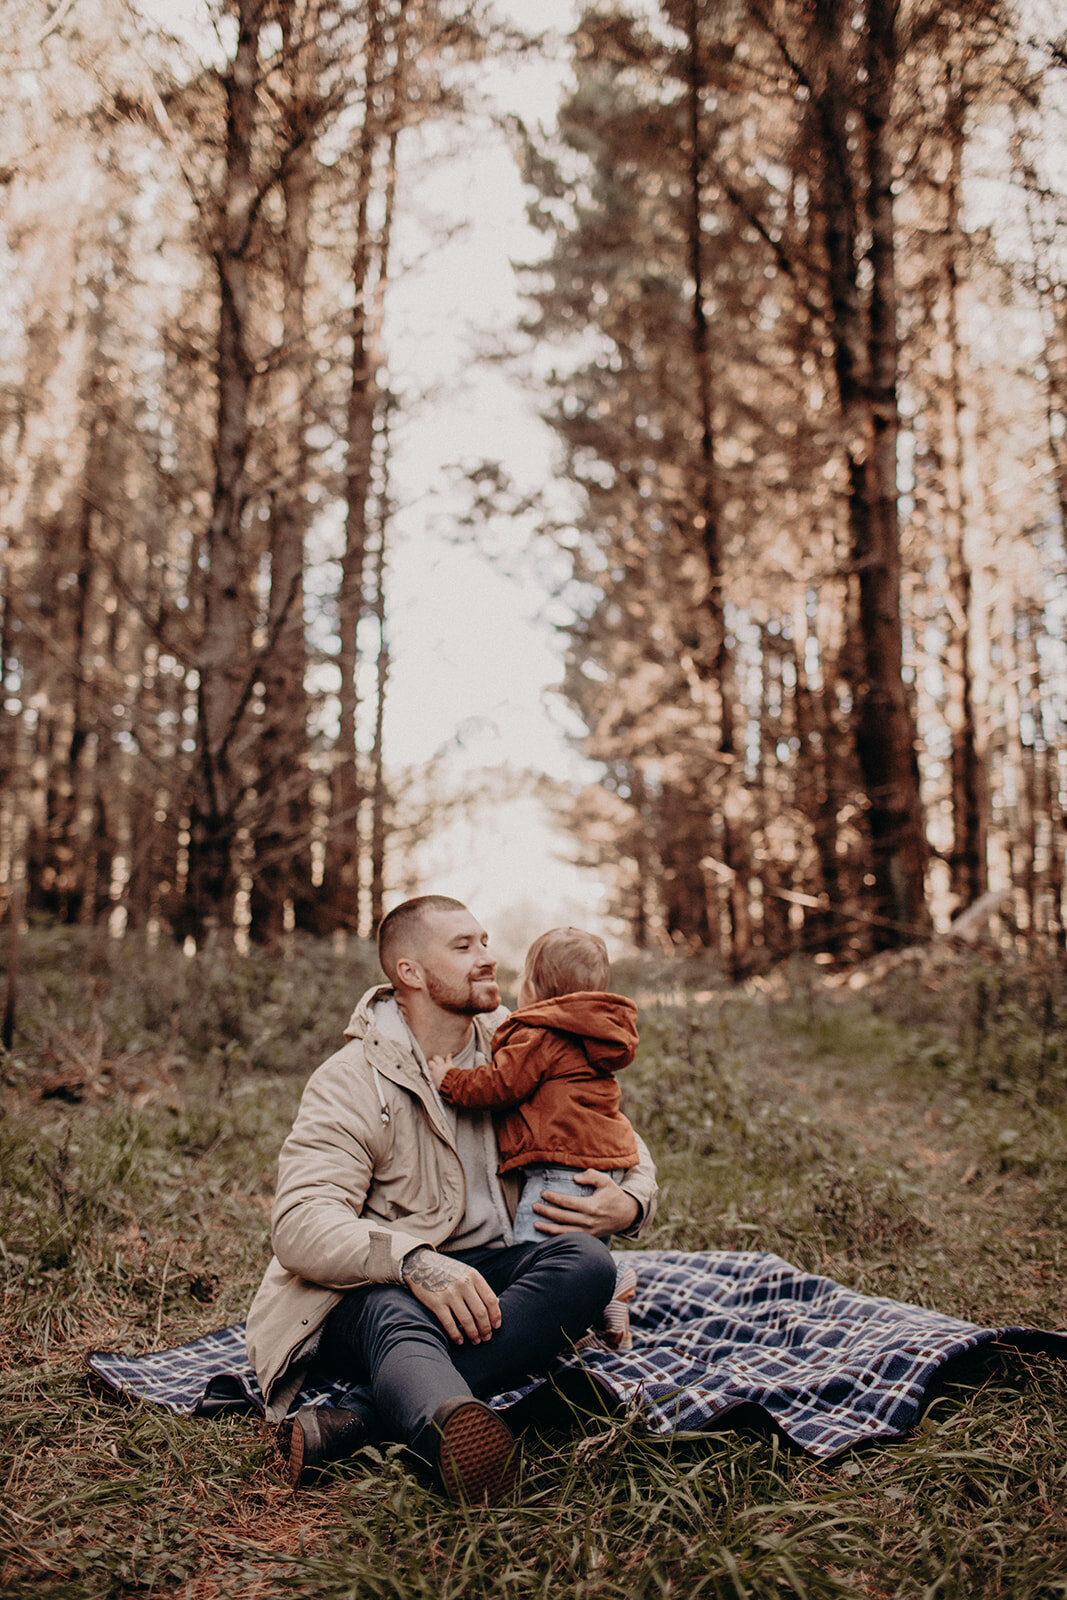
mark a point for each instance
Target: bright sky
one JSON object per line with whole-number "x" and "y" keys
{"x": 475, "y": 656}
{"x": 473, "y": 653}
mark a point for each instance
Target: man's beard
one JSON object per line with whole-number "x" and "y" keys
{"x": 468, "y": 999}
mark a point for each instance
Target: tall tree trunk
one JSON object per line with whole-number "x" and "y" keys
{"x": 10, "y": 776}
{"x": 708, "y": 520}
{"x": 967, "y": 862}
{"x": 1052, "y": 799}
{"x": 225, "y": 649}
{"x": 1027, "y": 723}
{"x": 72, "y": 822}
{"x": 681, "y": 829}
{"x": 771, "y": 799}
{"x": 343, "y": 866}
{"x": 379, "y": 790}
{"x": 380, "y": 797}
{"x": 71, "y": 831}
{"x": 819, "y": 778}
{"x": 865, "y": 363}
{"x": 1050, "y": 292}
{"x": 385, "y": 112}
{"x": 639, "y": 911}
{"x": 282, "y": 877}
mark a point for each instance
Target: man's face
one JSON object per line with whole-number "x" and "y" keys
{"x": 459, "y": 972}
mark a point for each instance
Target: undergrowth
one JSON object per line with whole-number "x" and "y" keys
{"x": 907, "y": 1139}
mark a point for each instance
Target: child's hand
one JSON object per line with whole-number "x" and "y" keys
{"x": 438, "y": 1066}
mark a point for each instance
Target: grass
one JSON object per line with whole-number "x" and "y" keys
{"x": 908, "y": 1139}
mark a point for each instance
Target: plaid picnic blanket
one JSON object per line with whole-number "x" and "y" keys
{"x": 713, "y": 1331}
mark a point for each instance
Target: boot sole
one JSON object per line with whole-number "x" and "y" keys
{"x": 291, "y": 1442}
{"x": 297, "y": 1476}
{"x": 478, "y": 1457}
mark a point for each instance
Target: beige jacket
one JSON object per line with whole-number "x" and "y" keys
{"x": 368, "y": 1172}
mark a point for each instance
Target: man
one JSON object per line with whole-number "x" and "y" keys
{"x": 393, "y": 1263}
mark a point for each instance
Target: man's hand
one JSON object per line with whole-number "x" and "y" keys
{"x": 608, "y": 1210}
{"x": 458, "y": 1296}
{"x": 438, "y": 1066}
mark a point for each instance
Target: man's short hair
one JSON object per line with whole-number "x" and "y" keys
{"x": 566, "y": 960}
{"x": 399, "y": 928}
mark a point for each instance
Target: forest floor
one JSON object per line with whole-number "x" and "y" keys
{"x": 907, "y": 1137}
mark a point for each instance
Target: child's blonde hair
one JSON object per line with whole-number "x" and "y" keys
{"x": 565, "y": 960}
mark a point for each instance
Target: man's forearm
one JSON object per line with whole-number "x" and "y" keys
{"x": 456, "y": 1293}
{"x": 427, "y": 1268}
{"x": 322, "y": 1241}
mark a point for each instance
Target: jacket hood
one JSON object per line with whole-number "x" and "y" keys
{"x": 605, "y": 1023}
{"x": 361, "y": 1021}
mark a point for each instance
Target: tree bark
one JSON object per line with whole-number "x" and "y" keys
{"x": 343, "y": 850}
{"x": 967, "y": 862}
{"x": 225, "y": 648}
{"x": 385, "y": 112}
{"x": 708, "y": 519}
{"x": 819, "y": 779}
{"x": 379, "y": 831}
{"x": 282, "y": 878}
{"x": 865, "y": 363}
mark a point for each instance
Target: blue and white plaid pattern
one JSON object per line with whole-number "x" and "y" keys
{"x": 712, "y": 1331}
{"x": 179, "y": 1379}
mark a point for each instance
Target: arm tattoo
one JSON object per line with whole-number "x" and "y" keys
{"x": 429, "y": 1270}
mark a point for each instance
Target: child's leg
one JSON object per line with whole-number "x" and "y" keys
{"x": 616, "y": 1314}
{"x": 535, "y": 1180}
{"x": 614, "y": 1328}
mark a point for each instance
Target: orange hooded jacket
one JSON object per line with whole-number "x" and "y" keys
{"x": 552, "y": 1083}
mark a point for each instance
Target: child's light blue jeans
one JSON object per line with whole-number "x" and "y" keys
{"x": 536, "y": 1180}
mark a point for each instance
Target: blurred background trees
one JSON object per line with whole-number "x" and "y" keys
{"x": 194, "y": 437}
{"x": 803, "y": 295}
{"x": 806, "y": 390}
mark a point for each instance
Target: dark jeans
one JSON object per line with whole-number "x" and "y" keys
{"x": 397, "y": 1355}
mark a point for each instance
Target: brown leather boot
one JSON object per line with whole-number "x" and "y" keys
{"x": 315, "y": 1436}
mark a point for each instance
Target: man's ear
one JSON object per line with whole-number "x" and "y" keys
{"x": 409, "y": 973}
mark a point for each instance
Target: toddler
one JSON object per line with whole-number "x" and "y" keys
{"x": 552, "y": 1084}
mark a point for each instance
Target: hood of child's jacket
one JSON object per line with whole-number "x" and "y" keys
{"x": 605, "y": 1023}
